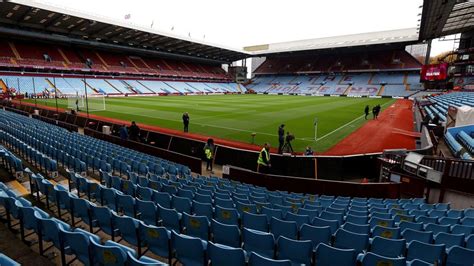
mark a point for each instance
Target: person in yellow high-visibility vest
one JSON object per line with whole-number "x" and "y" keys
{"x": 263, "y": 162}
{"x": 209, "y": 154}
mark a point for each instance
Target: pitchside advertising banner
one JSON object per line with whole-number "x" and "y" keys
{"x": 434, "y": 72}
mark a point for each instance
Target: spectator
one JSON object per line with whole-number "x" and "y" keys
{"x": 186, "y": 121}
{"x": 209, "y": 154}
{"x": 366, "y": 111}
{"x": 263, "y": 162}
{"x": 123, "y": 132}
{"x": 134, "y": 131}
{"x": 374, "y": 112}
{"x": 308, "y": 151}
{"x": 377, "y": 111}
{"x": 281, "y": 138}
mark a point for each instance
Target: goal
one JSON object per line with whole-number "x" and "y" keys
{"x": 91, "y": 102}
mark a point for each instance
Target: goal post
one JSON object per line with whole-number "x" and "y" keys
{"x": 80, "y": 102}
{"x": 75, "y": 101}
{"x": 95, "y": 102}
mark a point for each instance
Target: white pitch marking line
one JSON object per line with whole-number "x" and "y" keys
{"x": 339, "y": 128}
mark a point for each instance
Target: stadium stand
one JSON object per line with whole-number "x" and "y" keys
{"x": 156, "y": 208}
{"x": 108, "y": 86}
{"x": 350, "y": 74}
{"x": 17, "y": 54}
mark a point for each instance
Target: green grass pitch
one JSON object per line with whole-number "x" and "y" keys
{"x": 235, "y": 117}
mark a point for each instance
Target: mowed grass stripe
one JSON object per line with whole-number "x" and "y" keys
{"x": 235, "y": 117}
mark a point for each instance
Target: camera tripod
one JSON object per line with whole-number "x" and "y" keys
{"x": 287, "y": 148}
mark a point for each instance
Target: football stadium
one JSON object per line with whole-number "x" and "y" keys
{"x": 186, "y": 133}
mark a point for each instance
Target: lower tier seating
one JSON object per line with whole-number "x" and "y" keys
{"x": 195, "y": 219}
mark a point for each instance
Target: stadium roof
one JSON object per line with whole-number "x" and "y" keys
{"x": 446, "y": 17}
{"x": 404, "y": 36}
{"x": 40, "y": 20}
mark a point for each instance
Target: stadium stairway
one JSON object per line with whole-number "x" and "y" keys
{"x": 382, "y": 88}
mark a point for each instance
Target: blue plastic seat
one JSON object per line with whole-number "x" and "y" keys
{"x": 387, "y": 232}
{"x": 455, "y": 214}
{"x": 346, "y": 240}
{"x": 110, "y": 253}
{"x": 203, "y": 209}
{"x": 223, "y": 202}
{"x": 410, "y": 225}
{"x": 381, "y": 215}
{"x": 108, "y": 197}
{"x": 462, "y": 229}
{"x": 298, "y": 218}
{"x": 102, "y": 218}
{"x": 181, "y": 204}
{"x": 259, "y": 242}
{"x": 410, "y": 235}
{"x": 299, "y": 252}
{"x": 371, "y": 259}
{"x": 388, "y": 247}
{"x": 458, "y": 255}
{"x": 6, "y": 261}
{"x": 279, "y": 228}
{"x": 144, "y": 193}
{"x": 226, "y": 215}
{"x": 355, "y": 228}
{"x": 315, "y": 234}
{"x": 449, "y": 221}
{"x": 449, "y": 240}
{"x": 436, "y": 228}
{"x": 147, "y": 211}
{"x": 333, "y": 224}
{"x": 81, "y": 208}
{"x": 170, "y": 218}
{"x": 142, "y": 261}
{"x": 381, "y": 222}
{"x": 269, "y": 212}
{"x": 64, "y": 200}
{"x": 157, "y": 240}
{"x": 203, "y": 198}
{"x": 427, "y": 220}
{"x": 189, "y": 250}
{"x": 356, "y": 219}
{"x": 311, "y": 213}
{"x": 77, "y": 242}
{"x": 50, "y": 232}
{"x": 162, "y": 198}
{"x": 222, "y": 255}
{"x": 467, "y": 221}
{"x": 126, "y": 205}
{"x": 225, "y": 234}
{"x": 245, "y": 207}
{"x": 426, "y": 252}
{"x": 117, "y": 183}
{"x": 470, "y": 242}
{"x": 128, "y": 230}
{"x": 332, "y": 216}
{"x": 258, "y": 260}
{"x": 330, "y": 256}
{"x": 197, "y": 226}
{"x": 255, "y": 221}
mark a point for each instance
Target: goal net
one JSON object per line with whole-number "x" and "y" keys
{"x": 81, "y": 102}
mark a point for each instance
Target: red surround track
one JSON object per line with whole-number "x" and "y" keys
{"x": 393, "y": 129}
